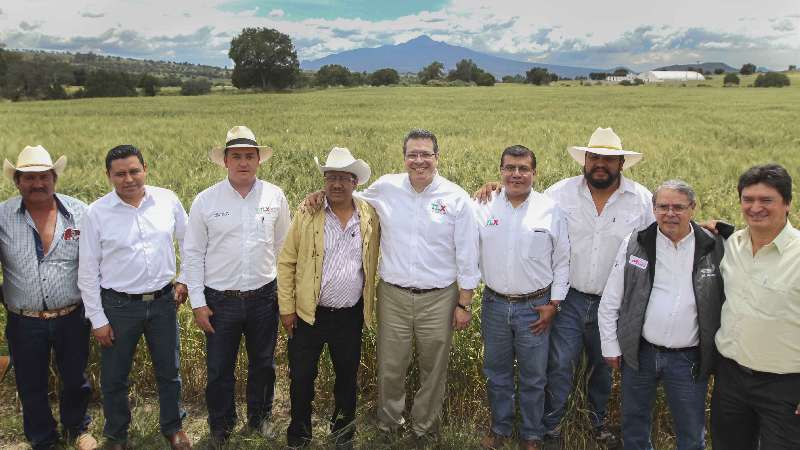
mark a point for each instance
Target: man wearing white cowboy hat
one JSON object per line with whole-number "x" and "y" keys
{"x": 126, "y": 271}
{"x": 602, "y": 207}
{"x": 39, "y": 232}
{"x": 326, "y": 290}
{"x": 236, "y": 230}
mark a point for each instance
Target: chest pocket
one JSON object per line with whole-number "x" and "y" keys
{"x": 265, "y": 219}
{"x": 537, "y": 244}
{"x": 622, "y": 225}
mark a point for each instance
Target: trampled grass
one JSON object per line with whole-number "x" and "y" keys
{"x": 706, "y": 136}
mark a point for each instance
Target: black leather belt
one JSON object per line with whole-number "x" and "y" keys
{"x": 667, "y": 349}
{"x": 243, "y": 294}
{"x": 413, "y": 290}
{"x": 520, "y": 298}
{"x": 143, "y": 297}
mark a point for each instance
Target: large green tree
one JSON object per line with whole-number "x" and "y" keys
{"x": 433, "y": 71}
{"x": 333, "y": 75}
{"x": 264, "y": 59}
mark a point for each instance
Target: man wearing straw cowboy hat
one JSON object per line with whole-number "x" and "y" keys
{"x": 326, "y": 290}
{"x": 236, "y": 230}
{"x": 39, "y": 231}
{"x": 126, "y": 271}
{"x": 602, "y": 208}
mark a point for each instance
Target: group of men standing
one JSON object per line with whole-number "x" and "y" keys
{"x": 595, "y": 264}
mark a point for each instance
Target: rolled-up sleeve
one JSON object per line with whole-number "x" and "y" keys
{"x": 560, "y": 260}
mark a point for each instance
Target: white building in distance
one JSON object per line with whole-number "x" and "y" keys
{"x": 660, "y": 76}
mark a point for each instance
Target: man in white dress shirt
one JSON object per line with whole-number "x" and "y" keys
{"x": 524, "y": 261}
{"x": 658, "y": 316}
{"x": 235, "y": 233}
{"x": 125, "y": 273}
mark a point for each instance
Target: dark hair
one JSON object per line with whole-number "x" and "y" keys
{"x": 773, "y": 175}
{"x": 517, "y": 151}
{"x": 122, "y": 152}
{"x": 419, "y": 133}
{"x": 18, "y": 173}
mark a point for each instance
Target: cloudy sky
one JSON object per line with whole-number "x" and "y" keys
{"x": 641, "y": 34}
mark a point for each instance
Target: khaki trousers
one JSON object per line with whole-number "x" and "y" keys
{"x": 426, "y": 321}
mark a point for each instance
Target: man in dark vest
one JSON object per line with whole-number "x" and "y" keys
{"x": 658, "y": 315}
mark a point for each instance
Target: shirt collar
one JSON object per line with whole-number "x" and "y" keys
{"x": 785, "y": 238}
{"x": 60, "y": 205}
{"x": 437, "y": 179}
{"x": 117, "y": 200}
{"x": 229, "y": 187}
{"x": 688, "y": 239}
{"x": 503, "y": 196}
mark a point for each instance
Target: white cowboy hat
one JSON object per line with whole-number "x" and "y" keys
{"x": 339, "y": 159}
{"x": 239, "y": 137}
{"x": 34, "y": 159}
{"x": 605, "y": 142}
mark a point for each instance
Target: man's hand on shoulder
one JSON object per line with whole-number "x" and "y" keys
{"x": 312, "y": 203}
{"x": 484, "y": 194}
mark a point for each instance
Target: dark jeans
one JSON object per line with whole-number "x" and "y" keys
{"x": 686, "y": 398}
{"x": 748, "y": 407}
{"x": 575, "y": 329}
{"x": 30, "y": 342}
{"x": 257, "y": 319}
{"x": 341, "y": 330}
{"x": 130, "y": 319}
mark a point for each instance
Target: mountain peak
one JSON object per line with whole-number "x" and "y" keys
{"x": 421, "y": 39}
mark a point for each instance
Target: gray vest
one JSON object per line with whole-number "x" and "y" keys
{"x": 708, "y": 292}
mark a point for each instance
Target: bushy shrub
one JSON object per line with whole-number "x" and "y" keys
{"x": 730, "y": 79}
{"x": 196, "y": 86}
{"x": 772, "y": 79}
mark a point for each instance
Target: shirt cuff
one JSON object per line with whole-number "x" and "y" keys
{"x": 197, "y": 298}
{"x": 98, "y": 320}
{"x": 181, "y": 278}
{"x": 559, "y": 292}
{"x": 468, "y": 282}
{"x": 610, "y": 349}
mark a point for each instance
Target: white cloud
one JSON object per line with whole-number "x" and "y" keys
{"x": 599, "y": 34}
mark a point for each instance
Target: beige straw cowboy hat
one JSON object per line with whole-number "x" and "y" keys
{"x": 34, "y": 159}
{"x": 605, "y": 142}
{"x": 239, "y": 137}
{"x": 340, "y": 160}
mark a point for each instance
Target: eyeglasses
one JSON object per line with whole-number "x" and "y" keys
{"x": 663, "y": 208}
{"x": 509, "y": 168}
{"x": 424, "y": 156}
{"x": 339, "y": 178}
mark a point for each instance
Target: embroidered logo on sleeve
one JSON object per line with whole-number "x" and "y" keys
{"x": 72, "y": 234}
{"x": 439, "y": 207}
{"x": 638, "y": 262}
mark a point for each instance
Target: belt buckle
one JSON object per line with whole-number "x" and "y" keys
{"x": 148, "y": 297}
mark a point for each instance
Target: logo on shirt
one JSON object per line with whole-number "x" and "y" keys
{"x": 71, "y": 234}
{"x": 707, "y": 272}
{"x": 267, "y": 209}
{"x": 492, "y": 222}
{"x": 438, "y": 207}
{"x": 638, "y": 262}
{"x": 219, "y": 214}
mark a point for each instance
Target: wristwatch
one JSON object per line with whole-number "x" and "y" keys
{"x": 467, "y": 308}
{"x": 557, "y": 306}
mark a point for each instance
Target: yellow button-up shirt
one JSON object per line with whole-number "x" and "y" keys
{"x": 760, "y": 326}
{"x": 300, "y": 262}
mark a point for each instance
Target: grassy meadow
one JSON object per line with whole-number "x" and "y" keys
{"x": 705, "y": 136}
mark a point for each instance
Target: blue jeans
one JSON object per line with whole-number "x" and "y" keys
{"x": 30, "y": 343}
{"x": 257, "y": 319}
{"x": 157, "y": 320}
{"x": 575, "y": 329}
{"x": 686, "y": 397}
{"x": 507, "y": 336}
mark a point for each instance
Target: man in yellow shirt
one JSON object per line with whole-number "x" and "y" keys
{"x": 757, "y": 387}
{"x": 326, "y": 289}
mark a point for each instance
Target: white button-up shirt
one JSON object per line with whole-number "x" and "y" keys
{"x": 595, "y": 238}
{"x": 232, "y": 243}
{"x": 670, "y": 319}
{"x": 428, "y": 239}
{"x": 128, "y": 249}
{"x": 523, "y": 249}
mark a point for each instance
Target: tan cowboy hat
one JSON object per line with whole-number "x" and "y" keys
{"x": 340, "y": 160}
{"x": 239, "y": 137}
{"x": 605, "y": 142}
{"x": 34, "y": 159}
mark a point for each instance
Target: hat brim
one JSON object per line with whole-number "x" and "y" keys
{"x": 217, "y": 154}
{"x": 58, "y": 167}
{"x": 579, "y": 154}
{"x": 359, "y": 168}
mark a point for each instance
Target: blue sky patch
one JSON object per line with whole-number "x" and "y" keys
{"x": 333, "y": 9}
